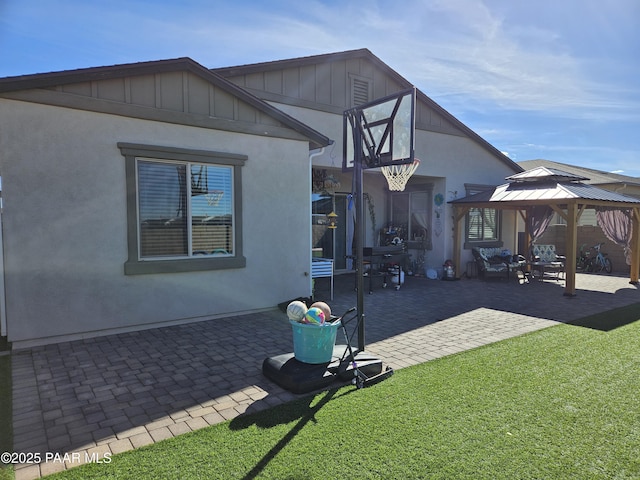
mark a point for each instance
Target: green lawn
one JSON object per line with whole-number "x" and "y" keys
{"x": 557, "y": 403}
{"x": 5, "y": 413}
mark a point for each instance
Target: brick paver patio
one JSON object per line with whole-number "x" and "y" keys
{"x": 106, "y": 395}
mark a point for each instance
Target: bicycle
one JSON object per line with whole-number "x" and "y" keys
{"x": 583, "y": 261}
{"x": 600, "y": 261}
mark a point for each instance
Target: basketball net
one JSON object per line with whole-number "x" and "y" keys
{"x": 398, "y": 175}
{"x": 213, "y": 197}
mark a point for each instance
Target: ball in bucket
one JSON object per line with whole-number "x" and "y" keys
{"x": 296, "y": 311}
{"x": 314, "y": 316}
{"x": 325, "y": 309}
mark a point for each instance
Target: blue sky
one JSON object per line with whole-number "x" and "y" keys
{"x": 552, "y": 79}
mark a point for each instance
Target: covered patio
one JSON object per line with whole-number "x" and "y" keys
{"x": 536, "y": 194}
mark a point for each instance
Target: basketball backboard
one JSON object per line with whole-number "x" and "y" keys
{"x": 384, "y": 128}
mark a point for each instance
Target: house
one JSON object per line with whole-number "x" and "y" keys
{"x": 156, "y": 193}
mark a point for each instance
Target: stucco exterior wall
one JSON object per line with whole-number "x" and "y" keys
{"x": 65, "y": 228}
{"x": 458, "y": 161}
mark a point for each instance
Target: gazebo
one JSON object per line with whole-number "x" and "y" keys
{"x": 538, "y": 193}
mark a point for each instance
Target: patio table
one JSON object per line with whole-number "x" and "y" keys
{"x": 557, "y": 267}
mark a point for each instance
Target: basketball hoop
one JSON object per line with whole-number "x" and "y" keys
{"x": 213, "y": 197}
{"x": 398, "y": 175}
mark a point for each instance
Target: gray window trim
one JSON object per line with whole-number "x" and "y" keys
{"x": 135, "y": 266}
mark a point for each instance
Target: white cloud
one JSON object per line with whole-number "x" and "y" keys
{"x": 464, "y": 52}
{"x": 470, "y": 54}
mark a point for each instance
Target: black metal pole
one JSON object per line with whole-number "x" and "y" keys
{"x": 359, "y": 231}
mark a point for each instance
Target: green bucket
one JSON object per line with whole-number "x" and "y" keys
{"x": 314, "y": 343}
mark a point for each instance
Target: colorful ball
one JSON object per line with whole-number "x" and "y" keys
{"x": 314, "y": 316}
{"x": 296, "y": 311}
{"x": 325, "y": 309}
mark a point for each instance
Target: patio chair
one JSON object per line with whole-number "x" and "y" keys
{"x": 544, "y": 259}
{"x": 496, "y": 261}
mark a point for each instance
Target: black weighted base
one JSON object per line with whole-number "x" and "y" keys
{"x": 299, "y": 377}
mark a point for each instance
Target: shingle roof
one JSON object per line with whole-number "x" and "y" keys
{"x": 594, "y": 176}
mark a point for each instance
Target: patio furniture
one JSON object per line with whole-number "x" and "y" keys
{"x": 496, "y": 261}
{"x": 544, "y": 259}
{"x": 384, "y": 259}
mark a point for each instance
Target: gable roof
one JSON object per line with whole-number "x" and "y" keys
{"x": 395, "y": 82}
{"x": 111, "y": 89}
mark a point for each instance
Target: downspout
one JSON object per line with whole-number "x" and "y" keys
{"x": 317, "y": 154}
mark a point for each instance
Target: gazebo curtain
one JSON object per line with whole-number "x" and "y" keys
{"x": 351, "y": 228}
{"x": 617, "y": 227}
{"x": 538, "y": 218}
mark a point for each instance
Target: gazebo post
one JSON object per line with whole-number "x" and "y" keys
{"x": 458, "y": 215}
{"x": 571, "y": 250}
{"x": 635, "y": 247}
{"x": 527, "y": 236}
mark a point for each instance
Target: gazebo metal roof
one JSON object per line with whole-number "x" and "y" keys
{"x": 545, "y": 173}
{"x": 544, "y": 185}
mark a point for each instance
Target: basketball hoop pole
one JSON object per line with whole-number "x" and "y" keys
{"x": 373, "y": 126}
{"x": 358, "y": 177}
